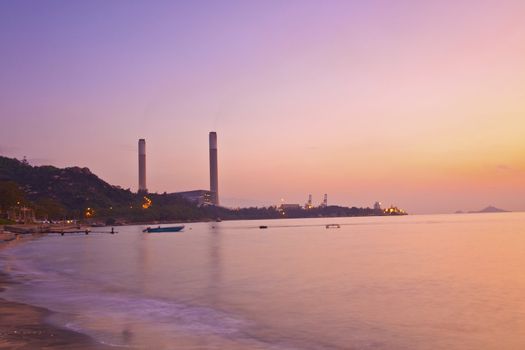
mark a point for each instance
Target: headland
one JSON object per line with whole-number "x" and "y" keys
{"x": 74, "y": 195}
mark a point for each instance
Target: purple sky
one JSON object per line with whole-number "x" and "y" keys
{"x": 415, "y": 103}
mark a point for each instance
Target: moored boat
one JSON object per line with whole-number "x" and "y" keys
{"x": 333, "y": 226}
{"x": 163, "y": 229}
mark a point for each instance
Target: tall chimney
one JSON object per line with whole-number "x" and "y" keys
{"x": 142, "y": 166}
{"x": 214, "y": 177}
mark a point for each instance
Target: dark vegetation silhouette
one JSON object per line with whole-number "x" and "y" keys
{"x": 56, "y": 194}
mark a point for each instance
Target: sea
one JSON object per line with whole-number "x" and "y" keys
{"x": 408, "y": 282}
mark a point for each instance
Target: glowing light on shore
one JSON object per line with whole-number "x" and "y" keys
{"x": 89, "y": 212}
{"x": 147, "y": 203}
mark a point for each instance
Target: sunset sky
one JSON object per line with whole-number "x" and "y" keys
{"x": 415, "y": 103}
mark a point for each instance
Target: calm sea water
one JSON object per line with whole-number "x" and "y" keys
{"x": 415, "y": 282}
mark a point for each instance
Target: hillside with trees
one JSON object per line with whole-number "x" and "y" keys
{"x": 76, "y": 193}
{"x": 56, "y": 193}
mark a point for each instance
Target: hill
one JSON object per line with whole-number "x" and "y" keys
{"x": 75, "y": 188}
{"x": 57, "y": 193}
{"x": 77, "y": 193}
{"x": 490, "y": 209}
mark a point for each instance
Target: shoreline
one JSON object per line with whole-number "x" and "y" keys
{"x": 25, "y": 326}
{"x": 208, "y": 220}
{"x": 16, "y": 230}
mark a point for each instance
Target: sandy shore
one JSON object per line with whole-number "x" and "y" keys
{"x": 24, "y": 326}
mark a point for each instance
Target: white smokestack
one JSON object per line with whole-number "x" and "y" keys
{"x": 214, "y": 177}
{"x": 142, "y": 166}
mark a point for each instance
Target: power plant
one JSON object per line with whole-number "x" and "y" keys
{"x": 324, "y": 204}
{"x": 142, "y": 166}
{"x": 214, "y": 177}
{"x": 200, "y": 197}
{"x": 309, "y": 204}
{"x": 211, "y": 197}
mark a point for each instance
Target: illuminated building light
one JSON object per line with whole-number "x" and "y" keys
{"x": 147, "y": 203}
{"x": 88, "y": 213}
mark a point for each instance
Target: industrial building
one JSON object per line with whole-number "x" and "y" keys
{"x": 199, "y": 197}
{"x": 292, "y": 206}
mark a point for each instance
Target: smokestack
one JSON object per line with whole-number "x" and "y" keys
{"x": 142, "y": 166}
{"x": 214, "y": 177}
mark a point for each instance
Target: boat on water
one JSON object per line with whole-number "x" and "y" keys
{"x": 163, "y": 229}
{"x": 333, "y": 226}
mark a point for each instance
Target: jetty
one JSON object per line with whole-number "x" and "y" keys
{"x": 46, "y": 229}
{"x": 36, "y": 229}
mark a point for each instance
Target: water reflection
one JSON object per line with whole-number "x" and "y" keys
{"x": 214, "y": 242}
{"x": 143, "y": 260}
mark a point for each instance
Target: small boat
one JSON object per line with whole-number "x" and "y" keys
{"x": 263, "y": 227}
{"x": 333, "y": 226}
{"x": 163, "y": 229}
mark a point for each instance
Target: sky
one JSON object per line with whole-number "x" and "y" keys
{"x": 419, "y": 104}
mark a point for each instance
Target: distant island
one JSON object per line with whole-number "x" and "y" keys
{"x": 47, "y": 193}
{"x": 489, "y": 209}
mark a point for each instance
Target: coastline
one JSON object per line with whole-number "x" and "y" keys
{"x": 24, "y": 326}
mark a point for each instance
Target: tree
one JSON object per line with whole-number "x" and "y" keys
{"x": 50, "y": 209}
{"x": 10, "y": 195}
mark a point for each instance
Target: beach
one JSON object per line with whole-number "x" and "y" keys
{"x": 24, "y": 326}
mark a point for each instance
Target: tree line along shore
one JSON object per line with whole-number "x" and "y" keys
{"x": 47, "y": 195}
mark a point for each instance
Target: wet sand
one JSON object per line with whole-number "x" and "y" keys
{"x": 24, "y": 326}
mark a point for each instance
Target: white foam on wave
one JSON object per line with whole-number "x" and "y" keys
{"x": 198, "y": 319}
